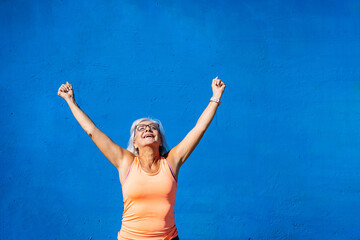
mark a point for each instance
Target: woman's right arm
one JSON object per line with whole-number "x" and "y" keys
{"x": 117, "y": 155}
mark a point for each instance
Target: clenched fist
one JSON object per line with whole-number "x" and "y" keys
{"x": 218, "y": 87}
{"x": 66, "y": 91}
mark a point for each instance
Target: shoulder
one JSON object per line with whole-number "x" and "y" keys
{"x": 170, "y": 158}
{"x": 126, "y": 164}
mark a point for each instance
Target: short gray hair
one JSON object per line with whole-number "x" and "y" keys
{"x": 162, "y": 150}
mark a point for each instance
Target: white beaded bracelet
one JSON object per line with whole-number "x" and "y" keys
{"x": 215, "y": 100}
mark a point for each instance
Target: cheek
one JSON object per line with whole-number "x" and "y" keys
{"x": 135, "y": 140}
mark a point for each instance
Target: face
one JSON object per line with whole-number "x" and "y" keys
{"x": 147, "y": 134}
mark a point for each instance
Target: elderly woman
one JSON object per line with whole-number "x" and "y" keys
{"x": 148, "y": 172}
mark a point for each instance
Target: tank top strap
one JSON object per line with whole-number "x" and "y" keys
{"x": 168, "y": 167}
{"x": 134, "y": 162}
{"x": 164, "y": 166}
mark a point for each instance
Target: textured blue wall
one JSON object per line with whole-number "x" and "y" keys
{"x": 281, "y": 159}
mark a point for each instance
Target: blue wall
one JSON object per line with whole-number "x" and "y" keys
{"x": 279, "y": 161}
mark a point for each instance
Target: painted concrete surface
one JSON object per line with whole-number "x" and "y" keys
{"x": 279, "y": 161}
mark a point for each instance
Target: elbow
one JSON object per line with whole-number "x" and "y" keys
{"x": 90, "y": 132}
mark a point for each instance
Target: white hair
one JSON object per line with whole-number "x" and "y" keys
{"x": 162, "y": 149}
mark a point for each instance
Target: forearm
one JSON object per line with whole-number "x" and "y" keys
{"x": 84, "y": 121}
{"x": 183, "y": 150}
{"x": 207, "y": 116}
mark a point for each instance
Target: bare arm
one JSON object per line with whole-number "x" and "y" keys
{"x": 84, "y": 121}
{"x": 182, "y": 151}
{"x": 113, "y": 152}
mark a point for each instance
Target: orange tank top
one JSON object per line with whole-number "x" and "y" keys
{"x": 149, "y": 200}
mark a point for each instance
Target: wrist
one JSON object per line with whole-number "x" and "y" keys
{"x": 216, "y": 96}
{"x": 70, "y": 100}
{"x": 216, "y": 100}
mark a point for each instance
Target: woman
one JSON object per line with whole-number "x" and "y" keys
{"x": 148, "y": 172}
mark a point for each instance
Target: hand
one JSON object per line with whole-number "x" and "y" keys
{"x": 66, "y": 91}
{"x": 218, "y": 87}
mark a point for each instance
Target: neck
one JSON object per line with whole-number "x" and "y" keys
{"x": 149, "y": 155}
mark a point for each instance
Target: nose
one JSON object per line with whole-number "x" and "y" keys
{"x": 146, "y": 127}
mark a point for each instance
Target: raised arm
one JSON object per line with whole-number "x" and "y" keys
{"x": 113, "y": 152}
{"x": 182, "y": 151}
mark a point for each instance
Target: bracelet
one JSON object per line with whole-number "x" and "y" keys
{"x": 215, "y": 100}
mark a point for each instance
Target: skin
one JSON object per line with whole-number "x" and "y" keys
{"x": 148, "y": 147}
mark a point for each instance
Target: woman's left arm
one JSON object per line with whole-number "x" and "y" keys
{"x": 182, "y": 151}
